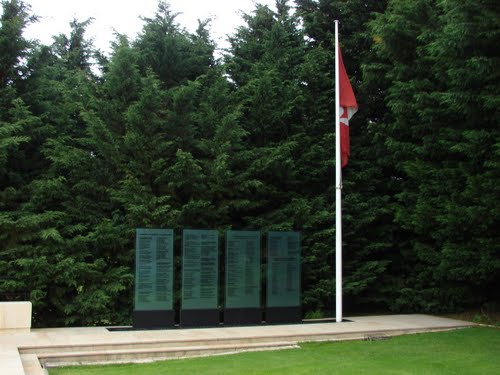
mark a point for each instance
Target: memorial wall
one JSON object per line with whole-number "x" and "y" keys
{"x": 200, "y": 302}
{"x": 243, "y": 291}
{"x": 154, "y": 277}
{"x": 283, "y": 269}
{"x": 242, "y": 269}
{"x": 283, "y": 278}
{"x": 200, "y": 269}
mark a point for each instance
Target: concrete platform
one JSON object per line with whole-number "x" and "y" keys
{"x": 30, "y": 352}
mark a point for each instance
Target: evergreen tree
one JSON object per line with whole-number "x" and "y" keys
{"x": 15, "y": 17}
{"x": 368, "y": 231}
{"x": 17, "y": 126}
{"x": 171, "y": 52}
{"x": 53, "y": 250}
{"x": 167, "y": 136}
{"x": 439, "y": 110}
{"x": 284, "y": 166}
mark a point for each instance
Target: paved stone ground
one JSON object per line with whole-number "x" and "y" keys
{"x": 11, "y": 341}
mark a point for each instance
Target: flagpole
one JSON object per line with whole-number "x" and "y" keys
{"x": 338, "y": 186}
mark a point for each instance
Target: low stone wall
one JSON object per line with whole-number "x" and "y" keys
{"x": 15, "y": 315}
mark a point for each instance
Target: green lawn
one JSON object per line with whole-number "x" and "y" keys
{"x": 466, "y": 351}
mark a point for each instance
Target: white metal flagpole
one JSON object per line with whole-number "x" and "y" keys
{"x": 338, "y": 186}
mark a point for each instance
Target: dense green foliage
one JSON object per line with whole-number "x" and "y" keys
{"x": 163, "y": 133}
{"x": 467, "y": 351}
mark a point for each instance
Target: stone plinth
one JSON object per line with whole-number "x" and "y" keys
{"x": 15, "y": 315}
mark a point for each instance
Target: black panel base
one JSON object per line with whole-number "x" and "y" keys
{"x": 150, "y": 319}
{"x": 283, "y": 315}
{"x": 200, "y": 318}
{"x": 237, "y": 316}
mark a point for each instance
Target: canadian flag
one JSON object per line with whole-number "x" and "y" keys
{"x": 348, "y": 107}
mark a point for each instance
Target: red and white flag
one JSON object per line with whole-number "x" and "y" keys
{"x": 348, "y": 107}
